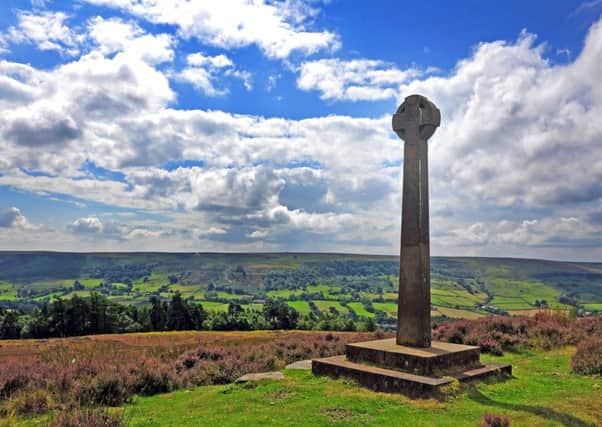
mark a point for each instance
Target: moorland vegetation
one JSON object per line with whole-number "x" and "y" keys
{"x": 60, "y": 378}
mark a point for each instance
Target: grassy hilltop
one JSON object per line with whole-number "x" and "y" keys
{"x": 543, "y": 393}
{"x": 361, "y": 285}
{"x": 186, "y": 379}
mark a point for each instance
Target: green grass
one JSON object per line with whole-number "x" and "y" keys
{"x": 153, "y": 282}
{"x": 89, "y": 283}
{"x": 301, "y": 306}
{"x": 370, "y": 295}
{"x": 511, "y": 303}
{"x": 329, "y": 292}
{"x": 284, "y": 293}
{"x": 543, "y": 392}
{"x": 66, "y": 283}
{"x": 453, "y": 297}
{"x": 123, "y": 299}
{"x": 593, "y": 307}
{"x": 57, "y": 294}
{"x": 229, "y": 296}
{"x": 388, "y": 307}
{"x": 7, "y": 292}
{"x": 326, "y": 305}
{"x": 521, "y": 294}
{"x": 214, "y": 306}
{"x": 360, "y": 309}
{"x": 45, "y": 285}
{"x": 318, "y": 288}
{"x": 188, "y": 290}
{"x": 455, "y": 313}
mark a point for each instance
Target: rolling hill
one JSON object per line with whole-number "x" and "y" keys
{"x": 364, "y": 285}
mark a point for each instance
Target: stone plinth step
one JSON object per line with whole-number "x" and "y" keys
{"x": 392, "y": 381}
{"x": 488, "y": 369}
{"x": 439, "y": 357}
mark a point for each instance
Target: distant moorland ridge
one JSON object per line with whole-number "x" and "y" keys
{"x": 362, "y": 285}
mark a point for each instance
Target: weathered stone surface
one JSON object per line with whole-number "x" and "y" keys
{"x": 260, "y": 376}
{"x": 376, "y": 378}
{"x": 416, "y": 118}
{"x": 415, "y": 121}
{"x": 441, "y": 357}
{"x": 486, "y": 370}
{"x": 392, "y": 381}
{"x": 301, "y": 364}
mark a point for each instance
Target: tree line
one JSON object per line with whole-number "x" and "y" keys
{"x": 96, "y": 314}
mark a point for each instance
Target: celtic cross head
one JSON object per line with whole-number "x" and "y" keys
{"x": 417, "y": 118}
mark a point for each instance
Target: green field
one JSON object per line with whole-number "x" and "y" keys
{"x": 516, "y": 295}
{"x": 360, "y": 309}
{"x": 7, "y": 292}
{"x": 543, "y": 392}
{"x": 214, "y": 306}
{"x": 301, "y": 306}
{"x": 388, "y": 307}
{"x": 326, "y": 306}
{"x": 284, "y": 293}
{"x": 593, "y": 307}
{"x": 458, "y": 285}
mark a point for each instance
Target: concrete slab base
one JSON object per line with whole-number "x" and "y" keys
{"x": 382, "y": 365}
{"x": 394, "y": 381}
{"x": 440, "y": 357}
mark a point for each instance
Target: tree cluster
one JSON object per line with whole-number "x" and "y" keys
{"x": 96, "y": 314}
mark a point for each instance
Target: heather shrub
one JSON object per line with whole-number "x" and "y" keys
{"x": 490, "y": 345}
{"x": 453, "y": 332}
{"x": 222, "y": 365}
{"x": 152, "y": 377}
{"x": 13, "y": 379}
{"x": 186, "y": 361}
{"x": 201, "y": 375}
{"x": 88, "y": 371}
{"x": 107, "y": 389}
{"x": 29, "y": 402}
{"x": 496, "y": 334}
{"x": 588, "y": 357}
{"x": 588, "y": 326}
{"x": 88, "y": 418}
{"x": 494, "y": 420}
{"x": 551, "y": 330}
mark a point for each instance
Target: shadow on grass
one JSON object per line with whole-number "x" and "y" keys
{"x": 541, "y": 411}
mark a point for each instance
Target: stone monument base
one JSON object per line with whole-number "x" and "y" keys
{"x": 382, "y": 365}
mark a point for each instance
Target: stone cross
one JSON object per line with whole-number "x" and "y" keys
{"x": 415, "y": 121}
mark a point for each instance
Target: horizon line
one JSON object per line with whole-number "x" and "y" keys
{"x": 42, "y": 251}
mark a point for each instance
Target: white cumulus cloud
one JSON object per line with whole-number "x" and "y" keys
{"x": 276, "y": 28}
{"x": 353, "y": 80}
{"x": 46, "y": 30}
{"x": 202, "y": 71}
{"x": 13, "y": 218}
{"x": 116, "y": 35}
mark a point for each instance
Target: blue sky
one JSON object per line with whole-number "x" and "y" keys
{"x": 264, "y": 126}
